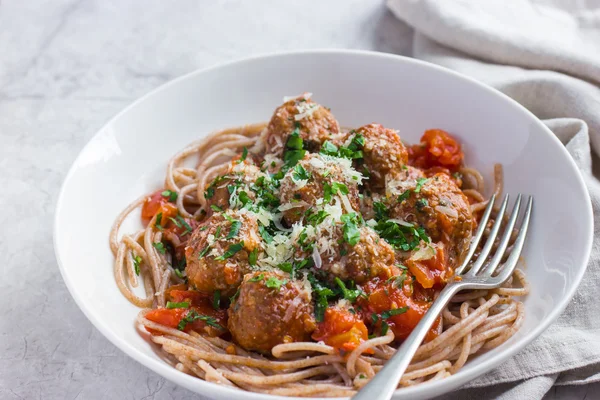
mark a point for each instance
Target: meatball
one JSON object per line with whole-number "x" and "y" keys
{"x": 315, "y": 125}
{"x": 317, "y": 180}
{"x": 224, "y": 191}
{"x": 271, "y": 309}
{"x": 383, "y": 153}
{"x": 217, "y": 252}
{"x": 371, "y": 256}
{"x": 399, "y": 182}
{"x": 441, "y": 208}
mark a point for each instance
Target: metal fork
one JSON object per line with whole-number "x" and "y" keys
{"x": 479, "y": 276}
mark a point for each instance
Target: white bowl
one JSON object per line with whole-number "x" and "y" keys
{"x": 128, "y": 157}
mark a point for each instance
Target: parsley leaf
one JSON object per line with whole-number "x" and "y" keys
{"x": 169, "y": 194}
{"x": 349, "y": 294}
{"x": 193, "y": 316}
{"x": 300, "y": 173}
{"x": 244, "y": 155}
{"x": 137, "y": 260}
{"x": 396, "y": 311}
{"x": 322, "y": 293}
{"x": 210, "y": 192}
{"x": 257, "y": 278}
{"x": 381, "y": 211}
{"x": 275, "y": 283}
{"x": 420, "y": 183}
{"x": 234, "y": 230}
{"x": 158, "y": 222}
{"x": 267, "y": 237}
{"x": 253, "y": 257}
{"x": 350, "y": 228}
{"x": 215, "y": 208}
{"x": 160, "y": 247}
{"x": 204, "y": 252}
{"x": 330, "y": 190}
{"x": 231, "y": 251}
{"x": 404, "y": 196}
{"x": 183, "y": 304}
{"x": 216, "y": 300}
{"x": 294, "y": 151}
{"x": 313, "y": 218}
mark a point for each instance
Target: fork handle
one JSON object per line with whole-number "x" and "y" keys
{"x": 385, "y": 382}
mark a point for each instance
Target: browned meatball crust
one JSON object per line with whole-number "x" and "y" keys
{"x": 217, "y": 252}
{"x": 322, "y": 173}
{"x": 225, "y": 189}
{"x": 270, "y": 309}
{"x": 371, "y": 256}
{"x": 383, "y": 153}
{"x": 441, "y": 208}
{"x": 315, "y": 125}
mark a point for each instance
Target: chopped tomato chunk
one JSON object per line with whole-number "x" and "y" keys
{"x": 341, "y": 329}
{"x": 198, "y": 303}
{"x": 156, "y": 203}
{"x": 437, "y": 149}
{"x": 384, "y": 296}
{"x": 430, "y": 272}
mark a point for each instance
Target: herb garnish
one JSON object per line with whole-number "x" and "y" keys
{"x": 349, "y": 294}
{"x": 231, "y": 251}
{"x": 137, "y": 260}
{"x": 183, "y": 304}
{"x": 350, "y": 228}
{"x": 193, "y": 316}
{"x": 169, "y": 194}
{"x": 160, "y": 247}
{"x": 216, "y": 300}
{"x": 275, "y": 283}
{"x": 158, "y": 222}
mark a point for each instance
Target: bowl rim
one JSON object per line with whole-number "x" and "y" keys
{"x": 431, "y": 389}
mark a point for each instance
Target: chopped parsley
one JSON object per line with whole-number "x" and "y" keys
{"x": 396, "y": 311}
{"x": 231, "y": 251}
{"x": 330, "y": 190}
{"x": 404, "y": 196}
{"x": 193, "y": 316}
{"x": 180, "y": 222}
{"x": 210, "y": 192}
{"x": 275, "y": 283}
{"x": 321, "y": 294}
{"x": 137, "y": 260}
{"x": 234, "y": 230}
{"x": 313, "y": 218}
{"x": 300, "y": 173}
{"x": 421, "y": 203}
{"x": 420, "y": 183}
{"x": 352, "y": 151}
{"x": 169, "y": 194}
{"x": 183, "y": 304}
{"x": 350, "y": 228}
{"x": 384, "y": 328}
{"x": 158, "y": 222}
{"x": 215, "y": 208}
{"x": 244, "y": 155}
{"x": 264, "y": 233}
{"x": 405, "y": 238}
{"x": 216, "y": 300}
{"x": 294, "y": 150}
{"x": 160, "y": 247}
{"x": 349, "y": 294}
{"x": 398, "y": 280}
{"x": 257, "y": 278}
{"x": 253, "y": 257}
{"x": 381, "y": 211}
{"x": 204, "y": 251}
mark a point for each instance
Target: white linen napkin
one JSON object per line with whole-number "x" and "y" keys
{"x": 546, "y": 56}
